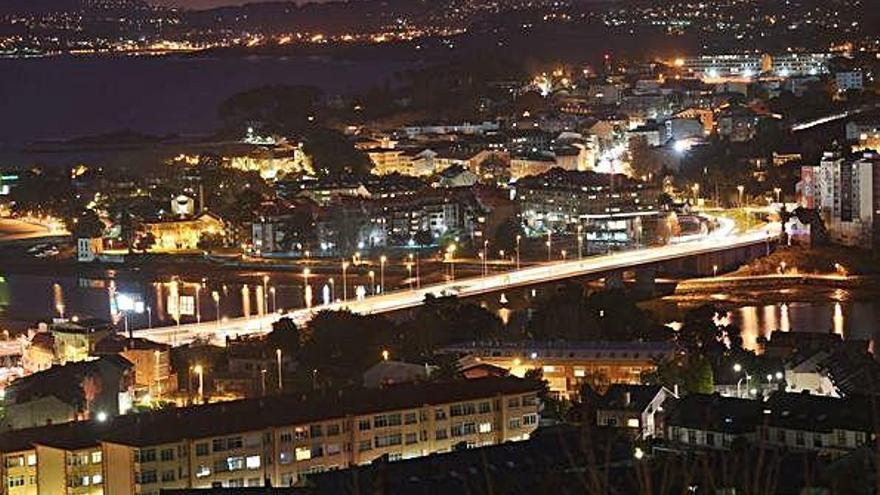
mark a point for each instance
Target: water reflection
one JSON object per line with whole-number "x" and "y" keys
{"x": 854, "y": 320}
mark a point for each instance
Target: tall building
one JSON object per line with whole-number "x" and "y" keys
{"x": 846, "y": 191}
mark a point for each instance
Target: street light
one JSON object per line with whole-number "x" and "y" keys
{"x": 332, "y": 289}
{"x": 416, "y": 258}
{"x": 344, "y": 280}
{"x": 409, "y": 275}
{"x": 778, "y": 191}
{"x": 274, "y": 301}
{"x": 201, "y": 373}
{"x": 518, "y": 238}
{"x": 737, "y": 368}
{"x": 307, "y": 291}
{"x": 580, "y": 233}
{"x": 485, "y": 258}
{"x": 216, "y": 297}
{"x": 372, "y": 276}
{"x": 451, "y": 251}
{"x": 382, "y": 260}
{"x": 741, "y": 189}
{"x": 563, "y": 253}
{"x": 265, "y": 293}
{"x": 549, "y": 245}
{"x": 278, "y": 358}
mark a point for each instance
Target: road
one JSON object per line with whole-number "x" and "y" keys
{"x": 403, "y": 299}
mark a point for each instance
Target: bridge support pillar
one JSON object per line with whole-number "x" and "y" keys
{"x": 646, "y": 281}
{"x": 614, "y": 280}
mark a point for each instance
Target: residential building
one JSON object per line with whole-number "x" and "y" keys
{"x": 828, "y": 425}
{"x": 151, "y": 361}
{"x": 611, "y": 210}
{"x": 567, "y": 366}
{"x": 388, "y": 372}
{"x": 75, "y": 340}
{"x": 79, "y": 390}
{"x": 712, "y": 421}
{"x": 849, "y": 81}
{"x": 283, "y": 439}
{"x": 846, "y": 190}
{"x": 638, "y": 408}
{"x": 57, "y": 459}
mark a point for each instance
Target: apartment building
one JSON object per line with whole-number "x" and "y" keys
{"x": 846, "y": 190}
{"x": 58, "y": 459}
{"x": 566, "y": 366}
{"x": 278, "y": 440}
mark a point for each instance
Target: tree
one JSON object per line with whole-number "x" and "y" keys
{"x": 86, "y": 225}
{"x": 446, "y": 320}
{"x": 211, "y": 240}
{"x": 334, "y": 155}
{"x": 285, "y": 335}
{"x": 423, "y": 238}
{"x": 144, "y": 242}
{"x": 506, "y": 234}
{"x": 280, "y": 108}
{"x": 643, "y": 160}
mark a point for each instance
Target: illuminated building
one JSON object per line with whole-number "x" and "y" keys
{"x": 275, "y": 439}
{"x": 183, "y": 234}
{"x": 566, "y": 366}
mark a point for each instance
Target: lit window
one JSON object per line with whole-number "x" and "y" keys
{"x": 203, "y": 471}
{"x": 485, "y": 427}
{"x": 580, "y": 373}
{"x": 97, "y": 479}
{"x": 303, "y": 453}
{"x": 632, "y": 422}
{"x": 549, "y": 369}
{"x": 32, "y": 459}
{"x": 253, "y": 462}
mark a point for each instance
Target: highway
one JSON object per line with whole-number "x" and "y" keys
{"x": 720, "y": 240}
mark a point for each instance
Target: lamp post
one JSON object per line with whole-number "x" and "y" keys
{"x": 372, "y": 276}
{"x": 274, "y": 300}
{"x": 409, "y": 275}
{"x": 778, "y": 192}
{"x": 278, "y": 358}
{"x": 580, "y": 234}
{"x": 451, "y": 251}
{"x": 740, "y": 189}
{"x": 382, "y": 260}
{"x": 265, "y": 293}
{"x": 307, "y": 291}
{"x": 198, "y": 303}
{"x": 345, "y": 280}
{"x": 201, "y": 374}
{"x": 549, "y": 245}
{"x": 518, "y": 239}
{"x": 737, "y": 368}
{"x": 485, "y": 258}
{"x": 563, "y": 253}
{"x": 332, "y": 289}
{"x": 216, "y": 297}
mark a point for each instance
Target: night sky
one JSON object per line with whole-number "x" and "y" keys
{"x": 206, "y": 4}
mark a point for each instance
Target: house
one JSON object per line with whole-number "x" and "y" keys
{"x": 635, "y": 407}
{"x": 75, "y": 340}
{"x": 567, "y": 366}
{"x": 828, "y": 425}
{"x": 151, "y": 362}
{"x": 457, "y": 176}
{"x": 74, "y": 391}
{"x": 386, "y": 373}
{"x": 712, "y": 421}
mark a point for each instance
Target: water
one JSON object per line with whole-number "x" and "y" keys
{"x": 857, "y": 320}
{"x": 60, "y": 97}
{"x": 27, "y": 299}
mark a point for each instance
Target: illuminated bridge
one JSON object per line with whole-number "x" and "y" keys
{"x": 696, "y": 258}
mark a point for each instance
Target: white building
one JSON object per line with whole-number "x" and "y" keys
{"x": 849, "y": 80}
